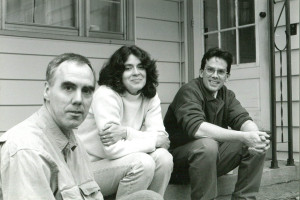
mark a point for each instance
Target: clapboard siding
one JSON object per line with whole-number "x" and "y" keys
{"x": 158, "y": 9}
{"x": 168, "y": 72}
{"x": 12, "y": 115}
{"x": 280, "y": 38}
{"x": 14, "y": 66}
{"x": 294, "y": 62}
{"x": 36, "y": 46}
{"x": 167, "y": 92}
{"x": 294, "y": 12}
{"x": 295, "y": 86}
{"x": 156, "y": 30}
{"x": 162, "y": 51}
{"x": 295, "y": 113}
{"x": 283, "y": 145}
{"x": 21, "y": 92}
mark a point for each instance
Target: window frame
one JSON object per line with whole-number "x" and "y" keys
{"x": 81, "y": 31}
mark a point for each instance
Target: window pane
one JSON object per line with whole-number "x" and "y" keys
{"x": 211, "y": 41}
{"x": 227, "y": 10}
{"x": 106, "y": 16}
{"x": 228, "y": 43}
{"x": 246, "y": 12}
{"x": 247, "y": 45}
{"x": 44, "y": 12}
{"x": 210, "y": 15}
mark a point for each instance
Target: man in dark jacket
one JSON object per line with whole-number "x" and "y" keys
{"x": 211, "y": 133}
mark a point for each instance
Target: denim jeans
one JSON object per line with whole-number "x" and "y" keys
{"x": 134, "y": 172}
{"x": 203, "y": 160}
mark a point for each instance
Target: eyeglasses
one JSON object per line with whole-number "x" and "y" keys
{"x": 210, "y": 71}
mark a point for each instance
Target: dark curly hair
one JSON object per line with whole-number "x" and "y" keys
{"x": 216, "y": 52}
{"x": 112, "y": 71}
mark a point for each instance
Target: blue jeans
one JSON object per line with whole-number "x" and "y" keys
{"x": 134, "y": 172}
{"x": 203, "y": 160}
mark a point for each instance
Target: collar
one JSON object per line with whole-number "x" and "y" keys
{"x": 53, "y": 131}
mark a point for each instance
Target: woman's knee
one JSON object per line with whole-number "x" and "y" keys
{"x": 145, "y": 163}
{"x": 163, "y": 158}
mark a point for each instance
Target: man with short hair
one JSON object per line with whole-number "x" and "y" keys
{"x": 202, "y": 146}
{"x": 41, "y": 158}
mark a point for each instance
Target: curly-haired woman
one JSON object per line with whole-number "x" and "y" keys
{"x": 124, "y": 132}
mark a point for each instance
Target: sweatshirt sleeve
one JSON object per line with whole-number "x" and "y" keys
{"x": 106, "y": 106}
{"x": 188, "y": 110}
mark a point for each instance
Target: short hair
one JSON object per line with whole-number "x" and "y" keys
{"x": 72, "y": 57}
{"x": 112, "y": 71}
{"x": 216, "y": 52}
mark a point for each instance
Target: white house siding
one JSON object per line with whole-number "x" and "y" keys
{"x": 280, "y": 42}
{"x": 23, "y": 60}
{"x": 158, "y": 25}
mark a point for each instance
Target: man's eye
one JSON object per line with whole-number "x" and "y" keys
{"x": 69, "y": 88}
{"x": 221, "y": 72}
{"x": 210, "y": 70}
{"x": 87, "y": 91}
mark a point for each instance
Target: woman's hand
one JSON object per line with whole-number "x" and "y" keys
{"x": 162, "y": 142}
{"x": 112, "y": 133}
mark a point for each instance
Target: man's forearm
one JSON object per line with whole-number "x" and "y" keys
{"x": 218, "y": 133}
{"x": 249, "y": 125}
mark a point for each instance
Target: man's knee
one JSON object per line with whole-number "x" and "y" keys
{"x": 204, "y": 150}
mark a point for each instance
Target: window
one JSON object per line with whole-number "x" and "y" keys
{"x": 109, "y": 19}
{"x": 230, "y": 25}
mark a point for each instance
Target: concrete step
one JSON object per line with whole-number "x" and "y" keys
{"x": 282, "y": 175}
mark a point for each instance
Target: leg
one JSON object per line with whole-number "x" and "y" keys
{"x": 143, "y": 195}
{"x": 163, "y": 169}
{"x": 124, "y": 175}
{"x": 200, "y": 157}
{"x": 250, "y": 168}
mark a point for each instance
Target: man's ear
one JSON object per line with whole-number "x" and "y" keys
{"x": 46, "y": 91}
{"x": 201, "y": 73}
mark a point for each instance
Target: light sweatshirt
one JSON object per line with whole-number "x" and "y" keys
{"x": 140, "y": 115}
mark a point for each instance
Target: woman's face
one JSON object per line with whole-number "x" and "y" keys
{"x": 134, "y": 76}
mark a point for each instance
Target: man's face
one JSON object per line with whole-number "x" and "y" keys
{"x": 69, "y": 96}
{"x": 134, "y": 76}
{"x": 214, "y": 74}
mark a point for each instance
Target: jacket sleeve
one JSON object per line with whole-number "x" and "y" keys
{"x": 26, "y": 174}
{"x": 106, "y": 107}
{"x": 188, "y": 109}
